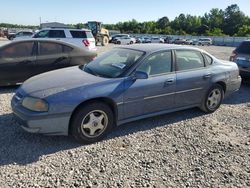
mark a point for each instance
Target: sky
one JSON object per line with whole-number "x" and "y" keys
{"x": 28, "y": 12}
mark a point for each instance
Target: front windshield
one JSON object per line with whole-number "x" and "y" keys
{"x": 113, "y": 63}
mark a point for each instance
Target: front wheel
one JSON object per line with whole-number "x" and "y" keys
{"x": 213, "y": 99}
{"x": 92, "y": 122}
{"x": 105, "y": 41}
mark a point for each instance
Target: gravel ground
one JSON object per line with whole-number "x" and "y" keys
{"x": 182, "y": 149}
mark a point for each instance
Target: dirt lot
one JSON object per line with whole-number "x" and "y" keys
{"x": 182, "y": 149}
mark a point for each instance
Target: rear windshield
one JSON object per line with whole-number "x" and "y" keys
{"x": 244, "y": 48}
{"x": 81, "y": 34}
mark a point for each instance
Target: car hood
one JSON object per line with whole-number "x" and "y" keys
{"x": 49, "y": 83}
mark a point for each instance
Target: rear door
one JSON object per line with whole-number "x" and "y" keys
{"x": 17, "y": 62}
{"x": 51, "y": 56}
{"x": 192, "y": 77}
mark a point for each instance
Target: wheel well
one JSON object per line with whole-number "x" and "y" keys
{"x": 223, "y": 85}
{"x": 104, "y": 100}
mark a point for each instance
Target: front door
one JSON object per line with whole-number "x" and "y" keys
{"x": 152, "y": 95}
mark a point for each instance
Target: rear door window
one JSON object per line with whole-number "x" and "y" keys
{"x": 78, "y": 34}
{"x": 24, "y": 49}
{"x": 189, "y": 59}
{"x": 244, "y": 48}
{"x": 56, "y": 34}
{"x": 49, "y": 48}
{"x": 208, "y": 59}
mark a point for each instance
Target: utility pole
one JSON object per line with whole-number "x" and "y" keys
{"x": 40, "y": 20}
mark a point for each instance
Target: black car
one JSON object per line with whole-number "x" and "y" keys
{"x": 23, "y": 59}
{"x": 241, "y": 56}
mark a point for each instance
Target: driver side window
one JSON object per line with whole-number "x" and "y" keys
{"x": 159, "y": 63}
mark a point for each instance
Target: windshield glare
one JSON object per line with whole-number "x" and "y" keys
{"x": 113, "y": 63}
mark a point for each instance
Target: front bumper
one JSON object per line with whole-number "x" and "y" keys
{"x": 43, "y": 123}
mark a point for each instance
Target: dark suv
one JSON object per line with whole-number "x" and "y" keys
{"x": 241, "y": 56}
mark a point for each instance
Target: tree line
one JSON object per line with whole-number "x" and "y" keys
{"x": 229, "y": 22}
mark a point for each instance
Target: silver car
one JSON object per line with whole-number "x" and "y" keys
{"x": 123, "y": 85}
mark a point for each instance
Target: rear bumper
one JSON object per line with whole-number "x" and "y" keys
{"x": 233, "y": 85}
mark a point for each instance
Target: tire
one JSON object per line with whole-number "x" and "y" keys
{"x": 87, "y": 131}
{"x": 131, "y": 42}
{"x": 118, "y": 42}
{"x": 105, "y": 41}
{"x": 213, "y": 99}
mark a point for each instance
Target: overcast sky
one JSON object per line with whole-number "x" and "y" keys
{"x": 110, "y": 11}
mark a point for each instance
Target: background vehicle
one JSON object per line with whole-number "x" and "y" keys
{"x": 205, "y": 41}
{"x": 146, "y": 40}
{"x": 241, "y": 56}
{"x": 168, "y": 39}
{"x": 126, "y": 40}
{"x": 116, "y": 37}
{"x": 123, "y": 85}
{"x": 22, "y": 35}
{"x": 157, "y": 40}
{"x": 23, "y": 59}
{"x": 189, "y": 42}
{"x": 101, "y": 35}
{"x": 179, "y": 41}
{"x": 80, "y": 37}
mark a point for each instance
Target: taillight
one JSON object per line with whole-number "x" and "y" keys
{"x": 86, "y": 43}
{"x": 233, "y": 56}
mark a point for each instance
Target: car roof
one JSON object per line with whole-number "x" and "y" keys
{"x": 44, "y": 40}
{"x": 148, "y": 48}
{"x": 54, "y": 28}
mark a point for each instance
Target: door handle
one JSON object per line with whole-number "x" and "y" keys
{"x": 207, "y": 76}
{"x": 169, "y": 82}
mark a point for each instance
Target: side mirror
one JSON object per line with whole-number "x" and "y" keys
{"x": 140, "y": 75}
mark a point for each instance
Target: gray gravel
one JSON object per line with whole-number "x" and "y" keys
{"x": 182, "y": 149}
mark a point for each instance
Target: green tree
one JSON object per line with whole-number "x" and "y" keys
{"x": 233, "y": 20}
{"x": 244, "y": 31}
{"x": 162, "y": 23}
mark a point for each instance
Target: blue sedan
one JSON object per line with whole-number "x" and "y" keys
{"x": 123, "y": 85}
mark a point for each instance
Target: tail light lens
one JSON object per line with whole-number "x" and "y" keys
{"x": 86, "y": 43}
{"x": 233, "y": 56}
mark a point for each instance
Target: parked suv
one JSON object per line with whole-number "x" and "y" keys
{"x": 78, "y": 37}
{"x": 241, "y": 56}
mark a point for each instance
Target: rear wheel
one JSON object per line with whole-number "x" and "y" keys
{"x": 131, "y": 42}
{"x": 213, "y": 99}
{"x": 92, "y": 123}
{"x": 118, "y": 42}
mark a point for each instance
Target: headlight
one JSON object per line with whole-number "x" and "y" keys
{"x": 34, "y": 104}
